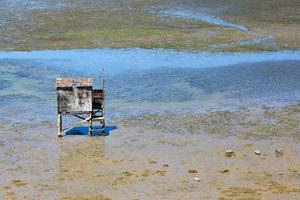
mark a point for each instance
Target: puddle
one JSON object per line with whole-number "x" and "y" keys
{"x": 267, "y": 41}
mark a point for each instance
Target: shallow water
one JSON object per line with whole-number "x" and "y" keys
{"x": 145, "y": 81}
{"x": 199, "y": 15}
{"x": 116, "y": 61}
{"x": 267, "y": 40}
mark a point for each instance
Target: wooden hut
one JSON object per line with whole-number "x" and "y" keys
{"x": 76, "y": 97}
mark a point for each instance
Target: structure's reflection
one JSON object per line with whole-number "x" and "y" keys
{"x": 79, "y": 160}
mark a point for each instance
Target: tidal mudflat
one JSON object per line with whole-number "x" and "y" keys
{"x": 186, "y": 82}
{"x": 181, "y": 25}
{"x": 175, "y": 120}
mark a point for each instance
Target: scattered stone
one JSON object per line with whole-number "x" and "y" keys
{"x": 229, "y": 153}
{"x": 152, "y": 162}
{"x": 257, "y": 152}
{"x": 18, "y": 183}
{"x": 196, "y": 179}
{"x": 279, "y": 152}
{"x": 224, "y": 171}
{"x": 7, "y": 187}
{"x": 293, "y": 170}
{"x": 192, "y": 171}
{"x": 127, "y": 173}
{"x": 160, "y": 173}
{"x": 146, "y": 173}
{"x": 165, "y": 165}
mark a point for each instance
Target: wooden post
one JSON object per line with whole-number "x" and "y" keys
{"x": 103, "y": 112}
{"x": 103, "y": 127}
{"x": 90, "y": 122}
{"x": 59, "y": 125}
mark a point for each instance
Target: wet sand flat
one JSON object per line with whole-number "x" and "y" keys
{"x": 140, "y": 162}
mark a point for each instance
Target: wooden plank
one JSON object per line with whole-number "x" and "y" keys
{"x": 59, "y": 125}
{"x": 71, "y": 82}
{"x": 91, "y": 125}
{"x": 98, "y": 118}
{"x": 75, "y": 124}
{"x": 98, "y": 99}
{"x": 78, "y": 116}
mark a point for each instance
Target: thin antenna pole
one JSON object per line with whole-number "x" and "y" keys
{"x": 102, "y": 79}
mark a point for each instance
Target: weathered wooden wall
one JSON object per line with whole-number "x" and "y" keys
{"x": 98, "y": 99}
{"x": 74, "y": 95}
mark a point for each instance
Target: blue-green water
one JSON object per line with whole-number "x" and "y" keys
{"x": 146, "y": 81}
{"x": 211, "y": 19}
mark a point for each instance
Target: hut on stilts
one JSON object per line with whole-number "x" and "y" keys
{"x": 78, "y": 98}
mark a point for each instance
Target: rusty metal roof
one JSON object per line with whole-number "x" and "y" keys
{"x": 71, "y": 82}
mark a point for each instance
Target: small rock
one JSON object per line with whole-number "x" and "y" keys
{"x": 165, "y": 165}
{"x": 279, "y": 152}
{"x": 224, "y": 171}
{"x": 192, "y": 171}
{"x": 127, "y": 173}
{"x": 196, "y": 179}
{"x": 229, "y": 153}
{"x": 257, "y": 152}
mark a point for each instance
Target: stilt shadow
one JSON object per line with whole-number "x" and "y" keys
{"x": 84, "y": 130}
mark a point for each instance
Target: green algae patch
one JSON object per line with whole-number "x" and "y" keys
{"x": 118, "y": 34}
{"x": 246, "y": 48}
{"x": 196, "y": 39}
{"x": 244, "y": 123}
{"x": 110, "y": 26}
{"x": 115, "y": 24}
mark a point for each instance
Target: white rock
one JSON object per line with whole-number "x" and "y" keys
{"x": 196, "y": 179}
{"x": 257, "y": 152}
{"x": 229, "y": 153}
{"x": 279, "y": 152}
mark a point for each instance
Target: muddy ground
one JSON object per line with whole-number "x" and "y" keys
{"x": 144, "y": 159}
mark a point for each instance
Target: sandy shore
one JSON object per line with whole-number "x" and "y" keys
{"x": 141, "y": 162}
